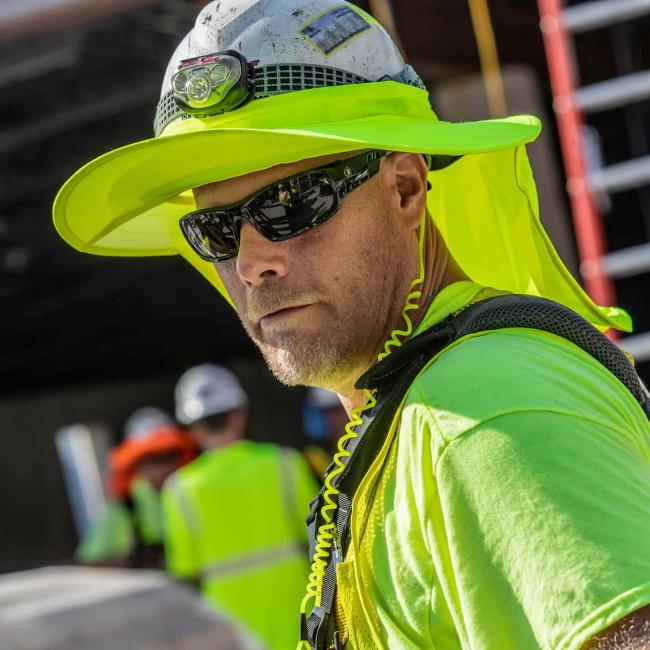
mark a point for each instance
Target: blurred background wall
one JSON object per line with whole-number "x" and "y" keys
{"x": 85, "y": 338}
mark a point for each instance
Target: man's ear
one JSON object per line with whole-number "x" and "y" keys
{"x": 411, "y": 173}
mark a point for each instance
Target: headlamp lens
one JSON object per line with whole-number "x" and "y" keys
{"x": 219, "y": 74}
{"x": 198, "y": 88}
{"x": 180, "y": 80}
{"x": 211, "y": 84}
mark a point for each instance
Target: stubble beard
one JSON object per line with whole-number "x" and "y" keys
{"x": 325, "y": 359}
{"x": 345, "y": 343}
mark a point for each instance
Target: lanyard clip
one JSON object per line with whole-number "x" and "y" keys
{"x": 337, "y": 550}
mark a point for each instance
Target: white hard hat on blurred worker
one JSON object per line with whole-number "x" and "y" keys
{"x": 144, "y": 421}
{"x": 207, "y": 390}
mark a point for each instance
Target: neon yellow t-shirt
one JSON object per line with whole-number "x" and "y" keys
{"x": 511, "y": 510}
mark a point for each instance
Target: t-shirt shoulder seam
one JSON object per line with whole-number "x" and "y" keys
{"x": 430, "y": 414}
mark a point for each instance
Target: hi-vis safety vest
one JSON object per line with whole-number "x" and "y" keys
{"x": 117, "y": 532}
{"x": 234, "y": 519}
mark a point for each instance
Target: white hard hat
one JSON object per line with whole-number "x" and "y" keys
{"x": 290, "y": 44}
{"x": 144, "y": 421}
{"x": 207, "y": 390}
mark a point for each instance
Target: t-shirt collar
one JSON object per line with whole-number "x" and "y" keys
{"x": 447, "y": 301}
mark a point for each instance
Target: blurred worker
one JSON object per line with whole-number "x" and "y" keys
{"x": 324, "y": 420}
{"x": 129, "y": 532}
{"x": 234, "y": 518}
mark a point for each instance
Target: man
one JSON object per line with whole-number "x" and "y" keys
{"x": 129, "y": 532}
{"x": 508, "y": 504}
{"x": 234, "y": 518}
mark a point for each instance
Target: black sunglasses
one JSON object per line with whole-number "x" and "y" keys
{"x": 280, "y": 211}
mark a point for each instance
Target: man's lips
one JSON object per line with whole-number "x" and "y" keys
{"x": 279, "y": 314}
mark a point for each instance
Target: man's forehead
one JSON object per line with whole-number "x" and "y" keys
{"x": 234, "y": 189}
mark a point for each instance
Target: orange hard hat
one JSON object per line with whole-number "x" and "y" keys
{"x": 124, "y": 459}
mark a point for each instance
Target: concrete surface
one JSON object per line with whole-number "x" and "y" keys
{"x": 65, "y": 608}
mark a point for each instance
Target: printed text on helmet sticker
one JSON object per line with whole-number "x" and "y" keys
{"x": 334, "y": 29}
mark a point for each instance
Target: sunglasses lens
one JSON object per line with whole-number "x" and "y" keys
{"x": 294, "y": 206}
{"x": 212, "y": 234}
{"x": 280, "y": 212}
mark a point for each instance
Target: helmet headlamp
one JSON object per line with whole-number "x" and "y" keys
{"x": 212, "y": 84}
{"x": 224, "y": 81}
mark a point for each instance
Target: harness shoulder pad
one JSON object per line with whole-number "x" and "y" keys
{"x": 512, "y": 311}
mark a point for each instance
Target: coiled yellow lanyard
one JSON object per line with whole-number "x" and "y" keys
{"x": 327, "y": 535}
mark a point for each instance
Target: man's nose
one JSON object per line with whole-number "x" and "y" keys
{"x": 259, "y": 259}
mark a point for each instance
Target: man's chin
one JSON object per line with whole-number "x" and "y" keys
{"x": 314, "y": 364}
{"x": 290, "y": 368}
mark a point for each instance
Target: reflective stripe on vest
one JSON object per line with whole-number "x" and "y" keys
{"x": 188, "y": 511}
{"x": 272, "y": 555}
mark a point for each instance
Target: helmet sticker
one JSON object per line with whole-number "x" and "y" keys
{"x": 331, "y": 30}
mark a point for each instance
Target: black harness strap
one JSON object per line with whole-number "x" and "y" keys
{"x": 391, "y": 379}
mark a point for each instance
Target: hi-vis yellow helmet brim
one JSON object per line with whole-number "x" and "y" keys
{"x": 129, "y": 201}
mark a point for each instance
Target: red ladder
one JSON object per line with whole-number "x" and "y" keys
{"x": 571, "y": 103}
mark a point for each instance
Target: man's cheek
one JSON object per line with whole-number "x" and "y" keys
{"x": 228, "y": 275}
